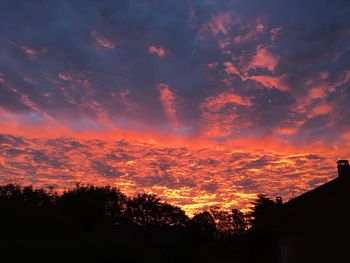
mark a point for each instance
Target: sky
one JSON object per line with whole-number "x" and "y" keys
{"x": 202, "y": 102}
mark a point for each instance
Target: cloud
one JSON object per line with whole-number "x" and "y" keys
{"x": 318, "y": 103}
{"x": 192, "y": 177}
{"x": 219, "y": 113}
{"x": 252, "y": 31}
{"x": 318, "y": 92}
{"x": 105, "y": 170}
{"x": 168, "y": 98}
{"x": 220, "y": 23}
{"x": 275, "y": 32}
{"x": 223, "y": 99}
{"x": 231, "y": 69}
{"x": 264, "y": 59}
{"x": 157, "y": 50}
{"x": 102, "y": 40}
{"x": 30, "y": 52}
{"x": 271, "y": 82}
{"x": 321, "y": 109}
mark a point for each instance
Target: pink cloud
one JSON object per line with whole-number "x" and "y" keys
{"x": 324, "y": 75}
{"x": 122, "y": 97}
{"x": 212, "y": 65}
{"x": 88, "y": 102}
{"x": 64, "y": 76}
{"x": 167, "y": 98}
{"x": 314, "y": 104}
{"x": 231, "y": 69}
{"x": 320, "y": 85}
{"x": 244, "y": 38}
{"x": 260, "y": 27}
{"x": 31, "y": 53}
{"x": 252, "y": 33}
{"x": 264, "y": 59}
{"x": 275, "y": 32}
{"x": 2, "y": 78}
{"x": 101, "y": 40}
{"x": 24, "y": 98}
{"x": 271, "y": 82}
{"x": 220, "y": 23}
{"x": 157, "y": 50}
{"x": 223, "y": 43}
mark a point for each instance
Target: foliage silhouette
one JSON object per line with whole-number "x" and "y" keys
{"x": 148, "y": 209}
{"x": 102, "y": 219}
{"x": 240, "y": 221}
{"x": 203, "y": 224}
{"x": 262, "y": 206}
{"x": 90, "y": 205}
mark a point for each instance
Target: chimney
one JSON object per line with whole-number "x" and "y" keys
{"x": 279, "y": 201}
{"x": 343, "y": 168}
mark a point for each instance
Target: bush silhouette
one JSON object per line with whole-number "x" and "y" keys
{"x": 90, "y": 218}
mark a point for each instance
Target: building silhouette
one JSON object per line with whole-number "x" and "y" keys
{"x": 314, "y": 227}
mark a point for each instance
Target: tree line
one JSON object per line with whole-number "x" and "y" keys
{"x": 90, "y": 216}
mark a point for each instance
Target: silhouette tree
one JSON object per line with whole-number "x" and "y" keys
{"x": 240, "y": 223}
{"x": 147, "y": 209}
{"x": 203, "y": 224}
{"x": 262, "y": 206}
{"x": 91, "y": 206}
{"x": 223, "y": 222}
{"x": 95, "y": 217}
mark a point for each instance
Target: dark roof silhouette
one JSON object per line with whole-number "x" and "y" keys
{"x": 313, "y": 227}
{"x": 295, "y": 211}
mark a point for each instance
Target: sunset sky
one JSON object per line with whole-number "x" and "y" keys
{"x": 203, "y": 102}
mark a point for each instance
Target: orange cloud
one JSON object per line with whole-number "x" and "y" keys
{"x": 271, "y": 82}
{"x": 219, "y": 115}
{"x": 167, "y": 98}
{"x": 157, "y": 50}
{"x": 231, "y": 69}
{"x": 287, "y": 130}
{"x": 222, "y": 99}
{"x": 101, "y": 40}
{"x": 322, "y": 109}
{"x": 184, "y": 176}
{"x": 264, "y": 59}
